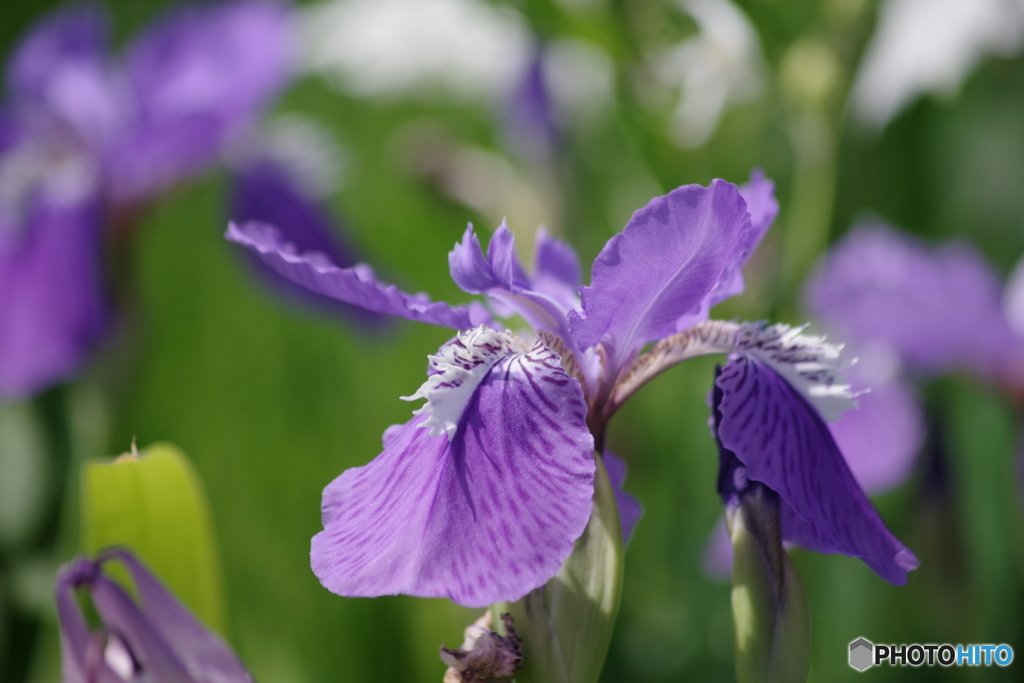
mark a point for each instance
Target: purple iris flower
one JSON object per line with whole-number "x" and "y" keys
{"x": 480, "y": 497}
{"x": 911, "y": 309}
{"x": 148, "y": 638}
{"x": 87, "y": 138}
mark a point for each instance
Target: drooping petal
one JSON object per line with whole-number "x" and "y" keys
{"x": 205, "y": 655}
{"x": 784, "y": 444}
{"x": 661, "y": 267}
{"x": 937, "y": 307}
{"x": 630, "y": 510}
{"x": 200, "y": 76}
{"x": 480, "y": 514}
{"x": 52, "y": 308}
{"x": 262, "y": 191}
{"x": 315, "y": 272}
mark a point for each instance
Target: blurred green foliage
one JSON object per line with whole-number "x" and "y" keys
{"x": 272, "y": 402}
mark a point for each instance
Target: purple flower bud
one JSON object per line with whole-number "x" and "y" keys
{"x": 151, "y": 638}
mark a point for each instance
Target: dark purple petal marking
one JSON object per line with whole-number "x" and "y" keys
{"x": 356, "y": 285}
{"x": 660, "y": 268}
{"x": 785, "y": 445}
{"x": 483, "y": 516}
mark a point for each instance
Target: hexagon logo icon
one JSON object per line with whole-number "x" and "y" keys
{"x": 862, "y": 653}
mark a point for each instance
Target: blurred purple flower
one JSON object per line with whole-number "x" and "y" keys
{"x": 482, "y": 494}
{"x": 907, "y": 307}
{"x": 86, "y": 137}
{"x": 151, "y": 638}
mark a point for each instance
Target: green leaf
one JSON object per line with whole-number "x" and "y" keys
{"x": 155, "y": 505}
{"x": 566, "y": 626}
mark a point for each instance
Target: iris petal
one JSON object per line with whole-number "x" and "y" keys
{"x": 200, "y": 76}
{"x": 937, "y": 308}
{"x": 356, "y": 286}
{"x": 786, "y": 445}
{"x": 263, "y": 191}
{"x": 50, "y": 294}
{"x": 661, "y": 267}
{"x": 483, "y": 516}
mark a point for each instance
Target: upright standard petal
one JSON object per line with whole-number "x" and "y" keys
{"x": 200, "y": 77}
{"x": 484, "y": 512}
{"x": 759, "y": 195}
{"x": 262, "y": 191}
{"x": 500, "y": 276}
{"x": 936, "y": 308}
{"x": 52, "y": 308}
{"x": 784, "y": 444}
{"x": 315, "y": 272}
{"x": 660, "y": 268}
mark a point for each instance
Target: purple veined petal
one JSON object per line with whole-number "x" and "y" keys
{"x": 881, "y": 439}
{"x": 936, "y": 307}
{"x": 356, "y": 285}
{"x": 483, "y": 514}
{"x": 52, "y": 308}
{"x": 759, "y": 195}
{"x": 556, "y": 270}
{"x": 630, "y": 510}
{"x": 262, "y": 191}
{"x": 786, "y": 446}
{"x": 660, "y": 268}
{"x": 203, "y": 654}
{"x": 200, "y": 76}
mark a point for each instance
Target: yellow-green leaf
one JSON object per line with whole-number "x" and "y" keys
{"x": 154, "y": 504}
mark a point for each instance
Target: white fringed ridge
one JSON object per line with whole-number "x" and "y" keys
{"x": 807, "y": 362}
{"x": 458, "y": 369}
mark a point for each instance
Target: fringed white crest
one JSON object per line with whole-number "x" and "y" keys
{"x": 809, "y": 364}
{"x": 457, "y": 369}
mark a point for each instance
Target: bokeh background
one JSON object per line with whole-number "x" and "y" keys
{"x": 272, "y": 401}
